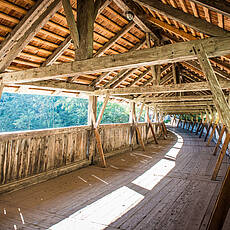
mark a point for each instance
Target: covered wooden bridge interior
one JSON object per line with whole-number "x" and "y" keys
{"x": 171, "y": 58}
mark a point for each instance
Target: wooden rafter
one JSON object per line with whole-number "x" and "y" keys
{"x": 30, "y": 33}
{"x": 71, "y": 22}
{"x": 22, "y": 26}
{"x": 186, "y": 19}
{"x": 220, "y": 7}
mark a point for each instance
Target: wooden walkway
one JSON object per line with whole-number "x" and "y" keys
{"x": 166, "y": 187}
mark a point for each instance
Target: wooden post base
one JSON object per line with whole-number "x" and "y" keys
{"x": 221, "y": 157}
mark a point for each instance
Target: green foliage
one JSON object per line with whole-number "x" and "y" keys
{"x": 30, "y": 112}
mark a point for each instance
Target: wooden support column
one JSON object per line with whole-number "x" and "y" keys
{"x": 135, "y": 121}
{"x": 198, "y": 127}
{"x": 1, "y": 89}
{"x": 153, "y": 68}
{"x": 179, "y": 122}
{"x": 163, "y": 130}
{"x": 219, "y": 140}
{"x": 222, "y": 205}
{"x": 193, "y": 125}
{"x": 184, "y": 123}
{"x": 96, "y": 130}
{"x": 71, "y": 23}
{"x": 151, "y": 127}
{"x": 221, "y": 156}
{"x": 213, "y": 131}
{"x": 209, "y": 127}
{"x": 203, "y": 125}
{"x": 85, "y": 26}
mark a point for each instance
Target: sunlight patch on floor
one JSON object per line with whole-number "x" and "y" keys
{"x": 154, "y": 175}
{"x": 103, "y": 212}
{"x": 100, "y": 214}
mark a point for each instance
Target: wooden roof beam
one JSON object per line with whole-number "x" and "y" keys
{"x": 189, "y": 20}
{"x": 59, "y": 85}
{"x": 175, "y": 98}
{"x": 100, "y": 5}
{"x": 182, "y": 103}
{"x": 184, "y": 87}
{"x": 176, "y": 52}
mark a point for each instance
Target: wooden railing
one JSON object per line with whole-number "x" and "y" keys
{"x": 34, "y": 156}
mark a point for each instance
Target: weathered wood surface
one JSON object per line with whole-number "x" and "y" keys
{"x": 181, "y": 51}
{"x": 24, "y": 154}
{"x": 196, "y": 23}
{"x": 181, "y": 196}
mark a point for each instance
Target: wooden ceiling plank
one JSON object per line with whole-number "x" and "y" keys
{"x": 221, "y": 7}
{"x": 31, "y": 16}
{"x": 127, "y": 5}
{"x": 28, "y": 35}
{"x": 141, "y": 76}
{"x": 114, "y": 39}
{"x": 198, "y": 24}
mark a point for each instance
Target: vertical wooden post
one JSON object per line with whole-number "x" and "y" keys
{"x": 1, "y": 89}
{"x": 219, "y": 140}
{"x": 96, "y": 130}
{"x": 213, "y": 131}
{"x": 153, "y": 68}
{"x": 138, "y": 131}
{"x": 221, "y": 156}
{"x": 203, "y": 126}
{"x": 219, "y": 99}
{"x": 151, "y": 127}
{"x": 193, "y": 125}
{"x": 92, "y": 107}
{"x": 200, "y": 125}
{"x": 85, "y": 26}
{"x": 222, "y": 205}
{"x": 208, "y": 129}
{"x": 184, "y": 123}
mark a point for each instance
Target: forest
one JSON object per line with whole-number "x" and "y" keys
{"x": 30, "y": 112}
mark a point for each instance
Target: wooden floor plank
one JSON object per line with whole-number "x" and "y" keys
{"x": 182, "y": 199}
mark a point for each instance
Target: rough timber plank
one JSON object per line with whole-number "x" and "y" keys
{"x": 181, "y": 51}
